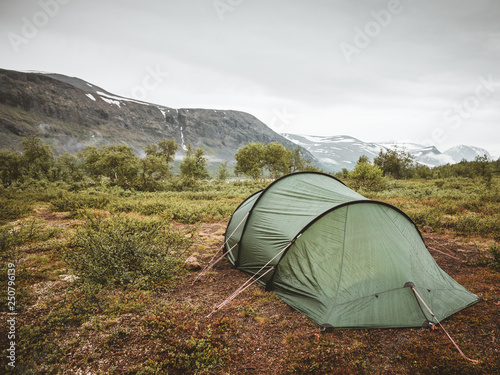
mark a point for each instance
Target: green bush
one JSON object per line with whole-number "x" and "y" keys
{"x": 184, "y": 184}
{"x": 470, "y": 225}
{"x": 25, "y": 233}
{"x": 423, "y": 218}
{"x": 199, "y": 355}
{"x": 183, "y": 207}
{"x": 186, "y": 349}
{"x": 124, "y": 250}
{"x": 13, "y": 209}
{"x": 73, "y": 202}
{"x": 367, "y": 176}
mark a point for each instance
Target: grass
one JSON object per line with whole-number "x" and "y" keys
{"x": 466, "y": 207}
{"x": 101, "y": 287}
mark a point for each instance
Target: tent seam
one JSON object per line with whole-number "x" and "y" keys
{"x": 243, "y": 229}
{"x": 343, "y": 253}
{"x": 264, "y": 191}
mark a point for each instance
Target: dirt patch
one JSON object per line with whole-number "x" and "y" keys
{"x": 47, "y": 215}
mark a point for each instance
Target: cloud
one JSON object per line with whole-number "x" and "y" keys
{"x": 266, "y": 57}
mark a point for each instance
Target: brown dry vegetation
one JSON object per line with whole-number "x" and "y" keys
{"x": 64, "y": 329}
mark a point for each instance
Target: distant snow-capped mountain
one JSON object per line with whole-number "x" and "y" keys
{"x": 336, "y": 152}
{"x": 458, "y": 153}
{"x": 342, "y": 151}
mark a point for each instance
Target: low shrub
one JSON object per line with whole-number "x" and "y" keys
{"x": 181, "y": 207}
{"x": 124, "y": 250}
{"x": 367, "y": 176}
{"x": 13, "y": 209}
{"x": 188, "y": 349}
{"x": 27, "y": 232}
{"x": 495, "y": 252}
{"x": 73, "y": 202}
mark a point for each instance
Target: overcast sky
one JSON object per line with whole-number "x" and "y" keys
{"x": 423, "y": 71}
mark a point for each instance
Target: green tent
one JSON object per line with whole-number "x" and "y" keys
{"x": 341, "y": 259}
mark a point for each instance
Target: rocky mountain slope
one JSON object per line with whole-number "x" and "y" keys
{"x": 342, "y": 151}
{"x": 70, "y": 114}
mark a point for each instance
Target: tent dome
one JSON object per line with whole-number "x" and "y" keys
{"x": 341, "y": 259}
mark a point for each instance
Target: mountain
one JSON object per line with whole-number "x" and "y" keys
{"x": 70, "y": 113}
{"x": 458, "y": 153}
{"x": 335, "y": 152}
{"x": 342, "y": 151}
{"x": 426, "y": 155}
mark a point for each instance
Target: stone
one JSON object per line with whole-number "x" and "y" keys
{"x": 192, "y": 264}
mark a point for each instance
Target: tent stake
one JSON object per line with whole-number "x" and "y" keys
{"x": 447, "y": 334}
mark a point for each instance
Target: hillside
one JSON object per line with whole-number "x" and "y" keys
{"x": 70, "y": 114}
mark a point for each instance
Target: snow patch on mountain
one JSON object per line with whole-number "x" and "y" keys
{"x": 163, "y": 112}
{"x": 183, "y": 144}
{"x": 111, "y": 101}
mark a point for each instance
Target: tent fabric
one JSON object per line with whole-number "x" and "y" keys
{"x": 350, "y": 261}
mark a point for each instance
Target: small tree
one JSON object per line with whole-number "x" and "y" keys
{"x": 395, "y": 163}
{"x": 37, "y": 158}
{"x": 277, "y": 159}
{"x": 155, "y": 166}
{"x": 344, "y": 173}
{"x": 91, "y": 156}
{"x": 297, "y": 162}
{"x": 194, "y": 165}
{"x": 367, "y": 176}
{"x": 152, "y": 171}
{"x": 117, "y": 162}
{"x": 223, "y": 172}
{"x": 300, "y": 163}
{"x": 10, "y": 166}
{"x": 68, "y": 168}
{"x": 363, "y": 159}
{"x": 250, "y": 160}
{"x": 483, "y": 168}
{"x": 422, "y": 171}
{"x": 166, "y": 149}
